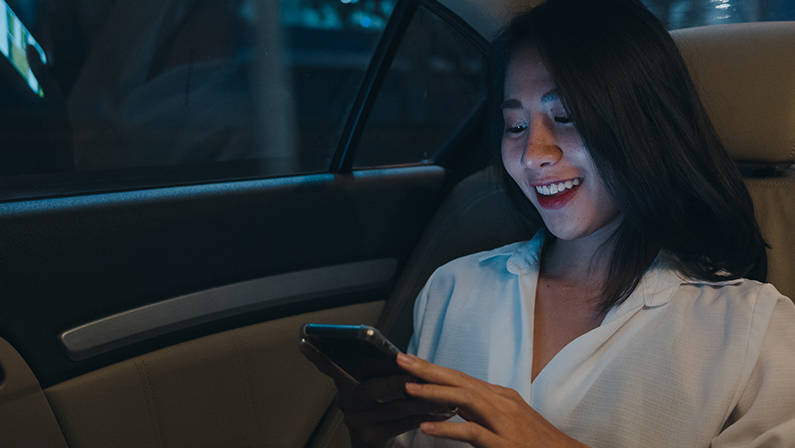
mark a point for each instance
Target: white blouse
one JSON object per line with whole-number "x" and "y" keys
{"x": 681, "y": 363}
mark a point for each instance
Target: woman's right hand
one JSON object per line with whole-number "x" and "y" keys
{"x": 375, "y": 410}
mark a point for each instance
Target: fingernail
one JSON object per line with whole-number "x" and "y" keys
{"x": 413, "y": 387}
{"x": 405, "y": 359}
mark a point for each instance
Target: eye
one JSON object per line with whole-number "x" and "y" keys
{"x": 564, "y": 119}
{"x": 515, "y": 129}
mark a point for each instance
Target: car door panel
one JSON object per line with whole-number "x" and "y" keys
{"x": 248, "y": 386}
{"x": 26, "y": 418}
{"x": 71, "y": 261}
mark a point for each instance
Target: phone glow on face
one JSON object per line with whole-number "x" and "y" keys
{"x": 14, "y": 41}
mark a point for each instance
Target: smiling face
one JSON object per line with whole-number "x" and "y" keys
{"x": 545, "y": 155}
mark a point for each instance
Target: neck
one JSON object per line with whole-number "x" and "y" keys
{"x": 582, "y": 261}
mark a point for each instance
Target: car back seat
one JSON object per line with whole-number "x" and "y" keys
{"x": 746, "y": 76}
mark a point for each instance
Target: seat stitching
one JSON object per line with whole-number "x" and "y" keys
{"x": 248, "y": 393}
{"x": 333, "y": 428}
{"x": 778, "y": 182}
{"x": 149, "y": 401}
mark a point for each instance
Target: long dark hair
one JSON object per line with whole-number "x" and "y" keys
{"x": 629, "y": 93}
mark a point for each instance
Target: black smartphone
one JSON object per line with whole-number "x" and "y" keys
{"x": 360, "y": 350}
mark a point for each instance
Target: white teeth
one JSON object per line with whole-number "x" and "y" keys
{"x": 548, "y": 190}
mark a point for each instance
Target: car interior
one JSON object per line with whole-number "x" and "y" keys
{"x": 168, "y": 315}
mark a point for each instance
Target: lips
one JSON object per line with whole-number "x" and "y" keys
{"x": 555, "y": 195}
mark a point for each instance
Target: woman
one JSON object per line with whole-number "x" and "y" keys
{"x": 629, "y": 319}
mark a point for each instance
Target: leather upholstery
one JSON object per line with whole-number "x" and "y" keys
{"x": 26, "y": 418}
{"x": 745, "y": 74}
{"x": 774, "y": 205}
{"x": 241, "y": 388}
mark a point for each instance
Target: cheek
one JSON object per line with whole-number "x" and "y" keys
{"x": 511, "y": 158}
{"x": 570, "y": 138}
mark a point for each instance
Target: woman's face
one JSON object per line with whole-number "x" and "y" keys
{"x": 544, "y": 153}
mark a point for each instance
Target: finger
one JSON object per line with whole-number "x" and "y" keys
{"x": 433, "y": 373}
{"x": 372, "y": 392}
{"x": 451, "y": 395}
{"x": 469, "y": 432}
{"x": 473, "y": 405}
{"x": 382, "y": 389}
{"x": 343, "y": 381}
{"x": 387, "y": 430}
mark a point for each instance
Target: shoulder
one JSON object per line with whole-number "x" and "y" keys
{"x": 740, "y": 295}
{"x": 741, "y": 313}
{"x": 763, "y": 405}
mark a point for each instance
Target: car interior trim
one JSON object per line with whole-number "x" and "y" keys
{"x": 342, "y": 162}
{"x": 465, "y": 29}
{"x": 132, "y": 326}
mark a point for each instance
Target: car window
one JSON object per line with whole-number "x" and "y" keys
{"x": 435, "y": 82}
{"x": 675, "y": 14}
{"x": 156, "y": 92}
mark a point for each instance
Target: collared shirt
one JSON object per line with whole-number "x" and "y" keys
{"x": 681, "y": 363}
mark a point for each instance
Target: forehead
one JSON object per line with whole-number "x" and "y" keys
{"x": 526, "y": 74}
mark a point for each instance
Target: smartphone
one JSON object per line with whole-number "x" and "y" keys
{"x": 14, "y": 42}
{"x": 360, "y": 350}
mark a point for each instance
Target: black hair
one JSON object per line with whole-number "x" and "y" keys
{"x": 629, "y": 93}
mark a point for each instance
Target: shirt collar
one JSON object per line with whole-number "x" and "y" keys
{"x": 656, "y": 288}
{"x": 522, "y": 257}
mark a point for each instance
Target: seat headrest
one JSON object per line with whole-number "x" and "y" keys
{"x": 745, "y": 74}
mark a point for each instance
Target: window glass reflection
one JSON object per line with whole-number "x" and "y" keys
{"x": 433, "y": 85}
{"x": 677, "y": 14}
{"x": 186, "y": 83}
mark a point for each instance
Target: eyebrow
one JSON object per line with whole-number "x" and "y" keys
{"x": 548, "y": 97}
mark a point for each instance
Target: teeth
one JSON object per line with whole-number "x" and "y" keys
{"x": 548, "y": 190}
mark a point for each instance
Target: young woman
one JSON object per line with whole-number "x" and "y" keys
{"x": 629, "y": 320}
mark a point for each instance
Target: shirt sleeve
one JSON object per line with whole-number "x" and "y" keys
{"x": 765, "y": 413}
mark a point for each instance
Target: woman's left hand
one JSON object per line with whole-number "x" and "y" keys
{"x": 495, "y": 416}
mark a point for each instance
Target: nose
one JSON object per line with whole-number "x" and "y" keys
{"x": 542, "y": 147}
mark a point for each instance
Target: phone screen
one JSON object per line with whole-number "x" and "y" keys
{"x": 14, "y": 41}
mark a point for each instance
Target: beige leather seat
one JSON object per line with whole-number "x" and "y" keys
{"x": 746, "y": 76}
